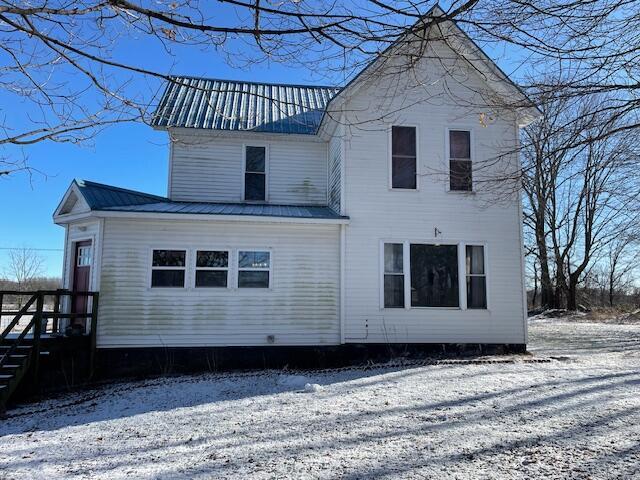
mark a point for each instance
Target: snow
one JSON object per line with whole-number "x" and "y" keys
{"x": 578, "y": 417}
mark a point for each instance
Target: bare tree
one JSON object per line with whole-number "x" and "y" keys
{"x": 64, "y": 60}
{"x": 581, "y": 187}
{"x": 24, "y": 266}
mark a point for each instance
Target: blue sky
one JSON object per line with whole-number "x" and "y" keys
{"x": 128, "y": 155}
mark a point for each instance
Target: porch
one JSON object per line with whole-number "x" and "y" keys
{"x": 47, "y": 340}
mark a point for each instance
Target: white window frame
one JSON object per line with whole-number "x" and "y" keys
{"x": 186, "y": 282}
{"x": 390, "y": 157}
{"x": 384, "y": 273}
{"x": 214, "y": 269}
{"x": 462, "y": 270}
{"x": 266, "y": 170}
{"x": 485, "y": 275}
{"x": 83, "y": 256}
{"x": 245, "y": 269}
{"x": 447, "y": 158}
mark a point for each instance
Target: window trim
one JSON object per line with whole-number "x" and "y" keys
{"x": 213, "y": 269}
{"x": 447, "y": 159}
{"x": 238, "y": 269}
{"x": 151, "y": 268}
{"x": 462, "y": 289}
{"x": 390, "y": 158}
{"x": 244, "y": 171}
{"x": 485, "y": 275}
{"x": 384, "y": 273}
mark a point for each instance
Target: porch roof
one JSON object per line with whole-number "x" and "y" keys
{"x": 102, "y": 197}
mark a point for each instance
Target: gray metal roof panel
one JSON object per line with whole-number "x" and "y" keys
{"x": 107, "y": 198}
{"x": 242, "y": 106}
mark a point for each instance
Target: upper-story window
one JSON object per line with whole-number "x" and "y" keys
{"x": 460, "y": 160}
{"x": 403, "y": 158}
{"x": 255, "y": 174}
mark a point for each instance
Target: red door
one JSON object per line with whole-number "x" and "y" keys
{"x": 81, "y": 277}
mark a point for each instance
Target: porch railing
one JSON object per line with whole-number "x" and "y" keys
{"x": 41, "y": 314}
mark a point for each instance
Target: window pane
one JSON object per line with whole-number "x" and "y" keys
{"x": 213, "y": 259}
{"x": 460, "y": 175}
{"x": 475, "y": 260}
{"x": 476, "y": 292}
{"x": 253, "y": 259}
{"x": 253, "y": 279}
{"x": 434, "y": 276}
{"x": 254, "y": 186}
{"x": 393, "y": 258}
{"x": 167, "y": 278}
{"x": 211, "y": 278}
{"x": 394, "y": 291}
{"x": 403, "y": 172}
{"x": 403, "y": 141}
{"x": 255, "y": 159}
{"x": 169, "y": 258}
{"x": 459, "y": 144}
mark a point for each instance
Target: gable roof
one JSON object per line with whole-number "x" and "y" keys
{"x": 192, "y": 102}
{"x": 106, "y": 198}
{"x": 232, "y": 105}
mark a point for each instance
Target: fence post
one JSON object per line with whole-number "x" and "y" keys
{"x": 93, "y": 333}
{"x": 55, "y": 323}
{"x": 37, "y": 332}
{"x": 1, "y": 302}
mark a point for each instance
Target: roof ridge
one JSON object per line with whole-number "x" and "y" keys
{"x": 81, "y": 182}
{"x": 251, "y": 82}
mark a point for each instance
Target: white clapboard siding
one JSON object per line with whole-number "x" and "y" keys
{"x": 379, "y": 213}
{"x": 301, "y": 308}
{"x": 335, "y": 170}
{"x": 209, "y": 168}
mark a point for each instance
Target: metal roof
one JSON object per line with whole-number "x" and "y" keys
{"x": 100, "y": 196}
{"x": 230, "y": 105}
{"x": 107, "y": 198}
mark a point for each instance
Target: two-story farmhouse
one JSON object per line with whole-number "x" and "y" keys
{"x": 318, "y": 216}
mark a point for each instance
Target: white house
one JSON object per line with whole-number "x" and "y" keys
{"x": 318, "y": 216}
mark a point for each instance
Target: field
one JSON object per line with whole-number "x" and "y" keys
{"x": 575, "y": 415}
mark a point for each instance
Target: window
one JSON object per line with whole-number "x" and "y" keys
{"x": 255, "y": 177}
{"x": 84, "y": 256}
{"x": 434, "y": 275}
{"x": 212, "y": 268}
{"x": 253, "y": 269}
{"x": 403, "y": 157}
{"x": 168, "y": 268}
{"x": 476, "y": 277}
{"x": 393, "y": 276}
{"x": 460, "y": 178}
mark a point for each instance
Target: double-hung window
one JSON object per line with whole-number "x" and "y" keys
{"x": 168, "y": 268}
{"x": 254, "y": 269}
{"x": 255, "y": 174}
{"x": 476, "y": 277}
{"x": 212, "y": 268}
{"x": 403, "y": 158}
{"x": 393, "y": 275}
{"x": 460, "y": 166}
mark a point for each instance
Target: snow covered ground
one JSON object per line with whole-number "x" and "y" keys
{"x": 572, "y": 418}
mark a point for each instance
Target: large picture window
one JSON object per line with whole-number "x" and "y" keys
{"x": 403, "y": 158}
{"x": 476, "y": 277}
{"x": 255, "y": 174}
{"x": 212, "y": 268}
{"x": 393, "y": 275}
{"x": 168, "y": 268}
{"x": 253, "y": 269}
{"x": 460, "y": 171}
{"x": 434, "y": 275}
